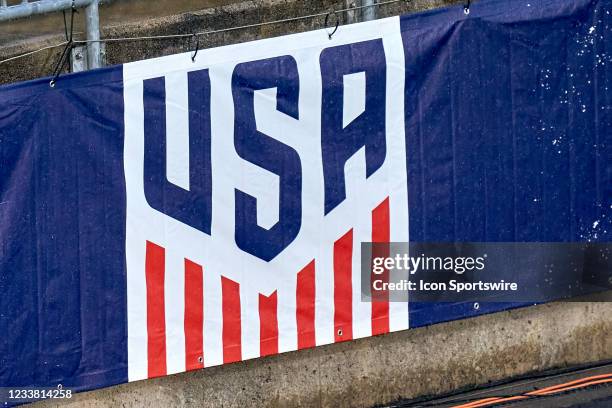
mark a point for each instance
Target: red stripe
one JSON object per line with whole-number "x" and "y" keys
{"x": 268, "y": 325}
{"x": 343, "y": 288}
{"x": 380, "y": 300}
{"x": 305, "y": 306}
{"x": 232, "y": 337}
{"x": 155, "y": 265}
{"x": 194, "y": 316}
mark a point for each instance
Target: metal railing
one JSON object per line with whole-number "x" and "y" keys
{"x": 92, "y": 19}
{"x": 27, "y": 8}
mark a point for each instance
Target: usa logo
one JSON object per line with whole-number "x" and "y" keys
{"x": 253, "y": 175}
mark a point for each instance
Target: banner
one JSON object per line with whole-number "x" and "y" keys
{"x": 169, "y": 215}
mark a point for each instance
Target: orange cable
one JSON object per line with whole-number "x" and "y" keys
{"x": 580, "y": 383}
{"x": 484, "y": 403}
{"x": 474, "y": 404}
{"x": 609, "y": 380}
{"x": 564, "y": 385}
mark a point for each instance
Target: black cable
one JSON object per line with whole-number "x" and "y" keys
{"x": 67, "y": 49}
{"x": 197, "y": 47}
{"x": 330, "y": 35}
{"x": 65, "y": 25}
{"x": 222, "y": 30}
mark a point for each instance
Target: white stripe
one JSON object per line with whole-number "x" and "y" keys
{"x": 355, "y": 175}
{"x": 249, "y": 320}
{"x": 174, "y": 295}
{"x": 259, "y": 182}
{"x": 324, "y": 296}
{"x": 213, "y": 319}
{"x": 396, "y": 155}
{"x": 135, "y": 247}
{"x": 354, "y": 86}
{"x": 177, "y": 130}
{"x": 287, "y": 325}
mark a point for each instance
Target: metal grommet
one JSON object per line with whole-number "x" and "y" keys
{"x": 476, "y": 306}
{"x": 340, "y": 332}
{"x": 52, "y": 83}
{"x": 200, "y": 359}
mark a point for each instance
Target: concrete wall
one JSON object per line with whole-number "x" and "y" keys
{"x": 382, "y": 369}
{"x": 229, "y": 15}
{"x": 362, "y": 373}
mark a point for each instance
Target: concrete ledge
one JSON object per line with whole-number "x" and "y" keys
{"x": 378, "y": 370}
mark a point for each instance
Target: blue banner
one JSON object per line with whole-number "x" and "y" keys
{"x": 169, "y": 215}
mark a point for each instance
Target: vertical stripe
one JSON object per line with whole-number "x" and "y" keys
{"x": 156, "y": 319}
{"x": 249, "y": 322}
{"x": 194, "y": 316}
{"x": 287, "y": 324}
{"x": 268, "y": 324}
{"x": 324, "y": 290}
{"x": 213, "y": 318}
{"x": 177, "y": 122}
{"x": 232, "y": 346}
{"x": 380, "y": 300}
{"x": 174, "y": 302}
{"x": 305, "y": 306}
{"x": 343, "y": 288}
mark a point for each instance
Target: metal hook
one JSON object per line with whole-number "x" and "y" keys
{"x": 466, "y": 8}
{"x": 330, "y": 35}
{"x": 67, "y": 49}
{"x": 197, "y": 47}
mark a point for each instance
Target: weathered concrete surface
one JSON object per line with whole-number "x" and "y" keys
{"x": 213, "y": 18}
{"x": 112, "y": 12}
{"x": 378, "y": 370}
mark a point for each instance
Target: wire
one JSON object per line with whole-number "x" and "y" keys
{"x": 25, "y": 54}
{"x": 242, "y": 27}
{"x": 202, "y": 33}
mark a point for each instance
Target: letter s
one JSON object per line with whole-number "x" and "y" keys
{"x": 268, "y": 153}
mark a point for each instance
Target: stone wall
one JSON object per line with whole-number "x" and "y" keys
{"x": 213, "y": 18}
